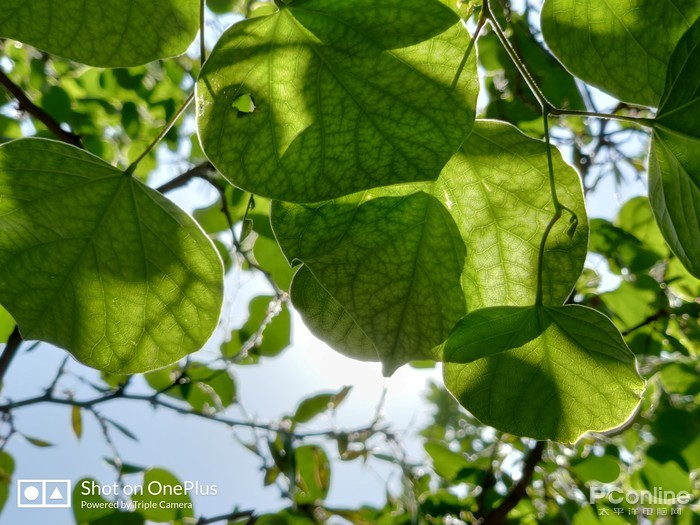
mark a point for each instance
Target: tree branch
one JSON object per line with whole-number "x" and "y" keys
{"x": 156, "y": 401}
{"x": 654, "y": 317}
{"x": 200, "y": 171}
{"x": 27, "y": 105}
{"x": 11, "y": 348}
{"x": 498, "y": 515}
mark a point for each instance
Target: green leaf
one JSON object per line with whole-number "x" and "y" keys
{"x": 124, "y": 468}
{"x": 328, "y": 319}
{"x": 624, "y": 251}
{"x": 604, "y": 469}
{"x": 632, "y": 302}
{"x": 499, "y": 194}
{"x": 681, "y": 378}
{"x": 383, "y": 269}
{"x": 377, "y": 104}
{"x": 313, "y": 474}
{"x": 109, "y": 33}
{"x": 674, "y": 156}
{"x": 7, "y": 468}
{"x": 315, "y": 405}
{"x": 622, "y": 48}
{"x": 555, "y": 372}
{"x": 446, "y": 463}
{"x": 99, "y": 264}
{"x": 205, "y": 389}
{"x": 7, "y": 325}
{"x": 86, "y": 507}
{"x": 76, "y": 420}
{"x": 637, "y": 218}
{"x": 221, "y": 7}
{"x": 160, "y": 486}
{"x": 38, "y": 442}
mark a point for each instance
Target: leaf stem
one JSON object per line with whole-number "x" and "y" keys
{"x": 472, "y": 42}
{"x": 132, "y": 167}
{"x": 519, "y": 64}
{"x": 642, "y": 121}
{"x": 557, "y": 210}
{"x": 546, "y": 105}
{"x": 202, "y": 43}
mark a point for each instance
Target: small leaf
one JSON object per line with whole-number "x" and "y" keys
{"x": 312, "y": 406}
{"x": 604, "y": 469}
{"x": 121, "y": 428}
{"x": 313, "y": 474}
{"x": 7, "y": 468}
{"x": 38, "y": 442}
{"x": 124, "y": 468}
{"x": 553, "y": 372}
{"x": 446, "y": 463}
{"x": 109, "y": 33}
{"x": 99, "y": 264}
{"x": 378, "y": 105}
{"x": 76, "y": 420}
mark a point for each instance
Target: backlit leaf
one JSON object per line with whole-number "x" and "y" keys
{"x": 387, "y": 278}
{"x": 108, "y": 33}
{"x": 674, "y": 157}
{"x": 99, "y": 264}
{"x": 554, "y": 372}
{"x": 347, "y": 96}
{"x": 495, "y": 190}
{"x": 622, "y": 48}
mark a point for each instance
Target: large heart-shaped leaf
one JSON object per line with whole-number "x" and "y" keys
{"x": 394, "y": 268}
{"x": 345, "y": 96}
{"x": 496, "y": 192}
{"x": 104, "y": 33}
{"x": 674, "y": 157}
{"x": 621, "y": 47}
{"x": 99, "y": 264}
{"x": 553, "y": 372}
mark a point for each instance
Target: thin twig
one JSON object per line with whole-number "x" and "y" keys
{"x": 654, "y": 317}
{"x": 202, "y": 43}
{"x": 156, "y": 401}
{"x": 132, "y": 167}
{"x": 25, "y": 104}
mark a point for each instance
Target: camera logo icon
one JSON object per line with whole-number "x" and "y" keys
{"x": 43, "y": 493}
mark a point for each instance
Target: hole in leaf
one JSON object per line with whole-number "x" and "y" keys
{"x": 244, "y": 104}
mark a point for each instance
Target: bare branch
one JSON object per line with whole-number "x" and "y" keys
{"x": 25, "y": 104}
{"x": 498, "y": 515}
